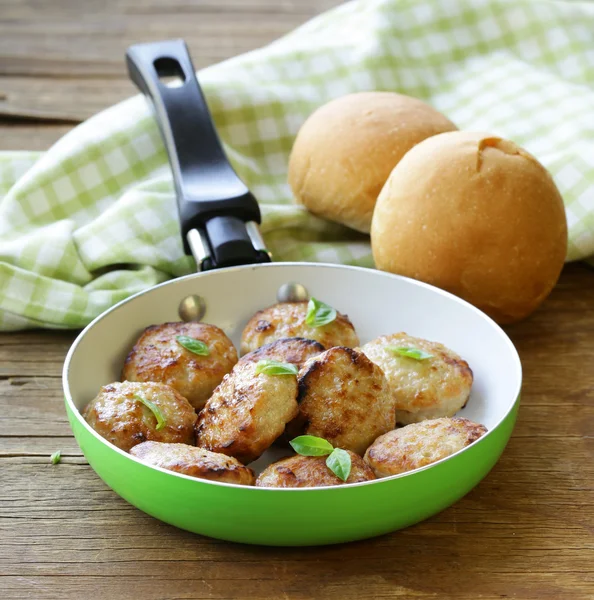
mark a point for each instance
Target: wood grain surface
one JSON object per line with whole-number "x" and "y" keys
{"x": 525, "y": 532}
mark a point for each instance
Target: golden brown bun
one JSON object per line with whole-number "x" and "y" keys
{"x": 347, "y": 148}
{"x": 477, "y": 216}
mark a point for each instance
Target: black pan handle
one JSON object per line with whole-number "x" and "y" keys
{"x": 218, "y": 214}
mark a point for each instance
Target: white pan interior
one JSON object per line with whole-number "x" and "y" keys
{"x": 377, "y": 303}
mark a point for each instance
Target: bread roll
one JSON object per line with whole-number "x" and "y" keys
{"x": 346, "y": 150}
{"x": 475, "y": 215}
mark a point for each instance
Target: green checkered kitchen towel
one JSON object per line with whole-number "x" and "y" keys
{"x": 92, "y": 220}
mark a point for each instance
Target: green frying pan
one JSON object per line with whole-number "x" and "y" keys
{"x": 219, "y": 219}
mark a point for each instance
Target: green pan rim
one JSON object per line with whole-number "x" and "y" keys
{"x": 78, "y": 416}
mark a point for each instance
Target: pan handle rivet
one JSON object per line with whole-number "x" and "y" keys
{"x": 292, "y": 292}
{"x": 192, "y": 308}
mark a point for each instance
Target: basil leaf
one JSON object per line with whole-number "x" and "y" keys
{"x": 193, "y": 345}
{"x": 161, "y": 422}
{"x": 310, "y": 445}
{"x": 410, "y": 352}
{"x": 339, "y": 462}
{"x": 319, "y": 314}
{"x": 274, "y": 367}
{"x": 56, "y": 457}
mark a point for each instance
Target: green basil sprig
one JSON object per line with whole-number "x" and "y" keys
{"x": 274, "y": 367}
{"x": 193, "y": 345}
{"x": 338, "y": 461}
{"x": 319, "y": 314}
{"x": 161, "y": 422}
{"x": 310, "y": 445}
{"x": 410, "y": 352}
{"x": 56, "y": 457}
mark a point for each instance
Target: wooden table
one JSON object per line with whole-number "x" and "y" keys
{"x": 524, "y": 532}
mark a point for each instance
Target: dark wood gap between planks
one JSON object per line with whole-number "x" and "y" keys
{"x": 25, "y": 118}
{"x": 47, "y": 435}
{"x": 63, "y": 455}
{"x": 56, "y": 76}
{"x": 21, "y": 380}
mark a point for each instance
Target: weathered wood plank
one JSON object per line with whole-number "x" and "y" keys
{"x": 499, "y": 544}
{"x": 29, "y": 136}
{"x": 35, "y": 354}
{"x": 42, "y": 97}
{"x": 68, "y": 62}
{"x": 41, "y": 447}
{"x": 71, "y": 40}
{"x": 132, "y": 588}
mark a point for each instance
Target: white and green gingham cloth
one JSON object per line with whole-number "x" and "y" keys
{"x": 93, "y": 219}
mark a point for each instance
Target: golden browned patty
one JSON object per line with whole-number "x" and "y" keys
{"x": 311, "y": 471}
{"x": 421, "y": 444}
{"x": 122, "y": 419}
{"x": 288, "y": 350}
{"x": 196, "y": 462}
{"x": 157, "y": 356}
{"x": 287, "y": 320}
{"x": 344, "y": 398}
{"x": 247, "y": 412}
{"x": 423, "y": 389}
